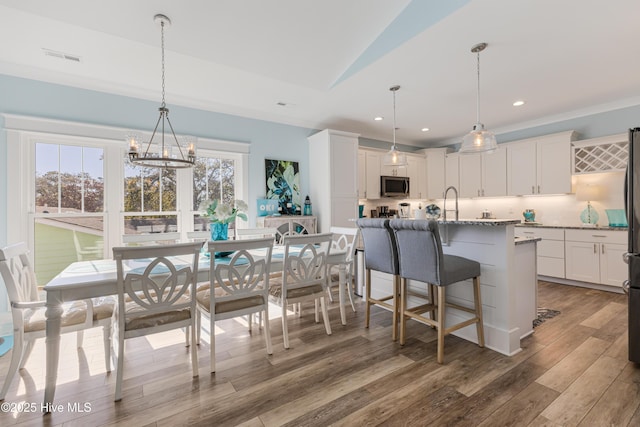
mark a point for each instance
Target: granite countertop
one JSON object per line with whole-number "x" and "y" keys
{"x": 574, "y": 227}
{"x": 478, "y": 221}
{"x": 522, "y": 240}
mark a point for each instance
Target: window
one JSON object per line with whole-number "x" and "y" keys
{"x": 213, "y": 178}
{"x": 77, "y": 196}
{"x": 69, "y": 205}
{"x": 150, "y": 200}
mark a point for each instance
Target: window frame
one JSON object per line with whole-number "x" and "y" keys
{"x": 22, "y": 134}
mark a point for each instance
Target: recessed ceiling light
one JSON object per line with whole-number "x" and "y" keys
{"x": 518, "y": 103}
{"x": 378, "y": 118}
{"x": 425, "y": 129}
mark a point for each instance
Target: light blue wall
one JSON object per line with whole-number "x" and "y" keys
{"x": 39, "y": 99}
{"x": 267, "y": 139}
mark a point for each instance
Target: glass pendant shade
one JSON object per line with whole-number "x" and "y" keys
{"x": 478, "y": 140}
{"x": 394, "y": 158}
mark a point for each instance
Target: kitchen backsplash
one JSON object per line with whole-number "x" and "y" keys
{"x": 551, "y": 210}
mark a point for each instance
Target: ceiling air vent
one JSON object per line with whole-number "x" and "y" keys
{"x": 61, "y": 55}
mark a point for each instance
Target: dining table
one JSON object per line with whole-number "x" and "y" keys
{"x": 98, "y": 278}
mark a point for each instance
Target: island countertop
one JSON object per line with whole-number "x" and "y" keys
{"x": 480, "y": 221}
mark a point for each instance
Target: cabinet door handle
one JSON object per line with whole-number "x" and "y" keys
{"x": 595, "y": 251}
{"x": 483, "y": 191}
{"x": 597, "y": 235}
{"x": 528, "y": 232}
{"x": 533, "y": 190}
{"x": 538, "y": 189}
{"x": 602, "y": 247}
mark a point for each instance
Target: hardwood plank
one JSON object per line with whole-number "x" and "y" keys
{"x": 573, "y": 365}
{"x": 616, "y": 406}
{"x": 604, "y": 315}
{"x": 570, "y": 407}
{"x": 356, "y": 375}
{"x": 523, "y": 408}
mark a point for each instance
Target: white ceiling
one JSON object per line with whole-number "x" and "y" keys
{"x": 332, "y": 61}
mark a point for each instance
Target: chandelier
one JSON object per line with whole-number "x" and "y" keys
{"x": 394, "y": 157}
{"x": 167, "y": 153}
{"x": 479, "y": 139}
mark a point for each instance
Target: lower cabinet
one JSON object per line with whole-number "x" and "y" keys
{"x": 595, "y": 256}
{"x": 550, "y": 257}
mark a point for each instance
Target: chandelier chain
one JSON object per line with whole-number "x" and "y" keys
{"x": 162, "y": 48}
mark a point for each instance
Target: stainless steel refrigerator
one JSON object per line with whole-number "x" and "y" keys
{"x": 632, "y": 257}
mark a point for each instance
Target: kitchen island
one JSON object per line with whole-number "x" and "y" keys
{"x": 508, "y": 280}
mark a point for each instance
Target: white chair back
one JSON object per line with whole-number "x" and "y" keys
{"x": 255, "y": 233}
{"x": 154, "y": 280}
{"x": 238, "y": 286}
{"x": 17, "y": 274}
{"x": 305, "y": 261}
{"x": 150, "y": 239}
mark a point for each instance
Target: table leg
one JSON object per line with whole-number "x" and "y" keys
{"x": 342, "y": 281}
{"x": 53, "y": 315}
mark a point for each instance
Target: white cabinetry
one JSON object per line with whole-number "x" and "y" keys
{"x": 435, "y": 173}
{"x": 334, "y": 167}
{"x": 596, "y": 256}
{"x": 550, "y": 257}
{"x": 392, "y": 170}
{"x": 451, "y": 169}
{"x": 369, "y": 174}
{"x": 540, "y": 166}
{"x": 416, "y": 171}
{"x": 483, "y": 174}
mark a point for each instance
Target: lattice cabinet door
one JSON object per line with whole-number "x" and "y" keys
{"x": 606, "y": 154}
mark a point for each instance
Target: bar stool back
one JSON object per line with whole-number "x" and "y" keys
{"x": 421, "y": 258}
{"x": 380, "y": 254}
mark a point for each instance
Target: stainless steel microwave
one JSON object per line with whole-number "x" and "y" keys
{"x": 394, "y": 186}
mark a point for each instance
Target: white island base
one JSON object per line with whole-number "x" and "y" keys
{"x": 508, "y": 281}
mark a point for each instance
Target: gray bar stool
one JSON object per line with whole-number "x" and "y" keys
{"x": 421, "y": 258}
{"x": 380, "y": 254}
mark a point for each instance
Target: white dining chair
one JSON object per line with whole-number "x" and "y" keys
{"x": 150, "y": 239}
{"x": 28, "y": 311}
{"x": 156, "y": 293}
{"x": 255, "y": 233}
{"x": 240, "y": 284}
{"x": 303, "y": 277}
{"x": 344, "y": 240}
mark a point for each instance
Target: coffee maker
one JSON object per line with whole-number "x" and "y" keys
{"x": 405, "y": 208}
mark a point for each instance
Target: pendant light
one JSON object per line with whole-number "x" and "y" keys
{"x": 394, "y": 157}
{"x": 167, "y": 153}
{"x": 478, "y": 140}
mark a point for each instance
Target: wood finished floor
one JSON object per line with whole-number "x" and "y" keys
{"x": 572, "y": 371}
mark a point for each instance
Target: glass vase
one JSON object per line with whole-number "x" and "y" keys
{"x": 220, "y": 231}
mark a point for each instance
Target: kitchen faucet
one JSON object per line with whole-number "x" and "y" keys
{"x": 444, "y": 208}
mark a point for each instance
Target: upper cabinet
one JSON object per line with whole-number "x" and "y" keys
{"x": 483, "y": 174}
{"x": 416, "y": 171}
{"x": 369, "y": 174}
{"x": 333, "y": 165}
{"x": 451, "y": 171}
{"x": 435, "y": 173}
{"x": 605, "y": 154}
{"x": 392, "y": 170}
{"x": 540, "y": 165}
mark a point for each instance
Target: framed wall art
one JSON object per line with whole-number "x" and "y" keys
{"x": 283, "y": 185}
